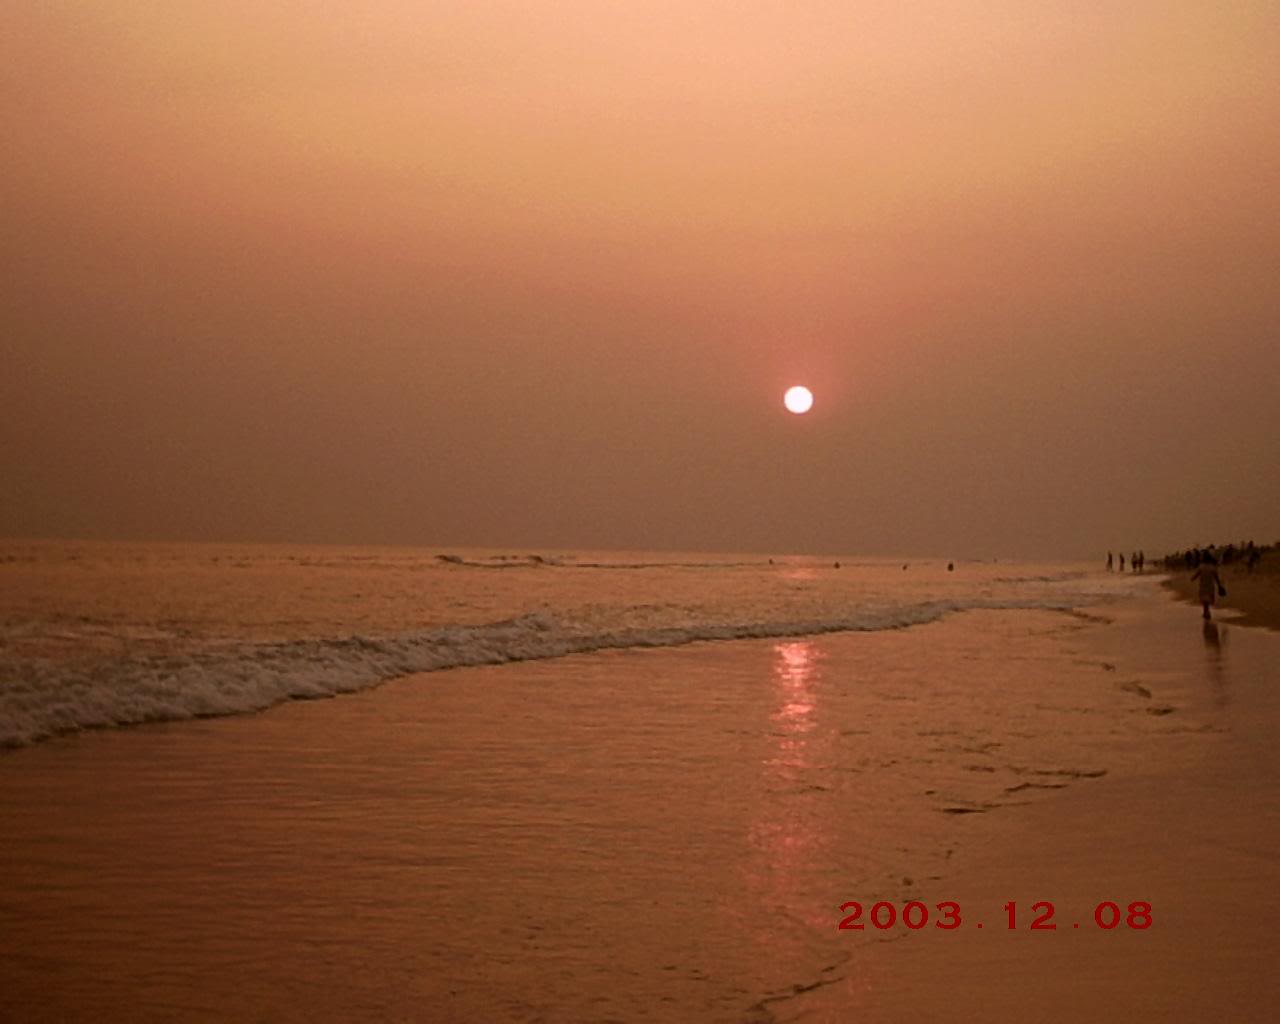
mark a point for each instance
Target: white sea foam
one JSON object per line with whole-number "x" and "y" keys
{"x": 39, "y": 699}
{"x": 573, "y": 562}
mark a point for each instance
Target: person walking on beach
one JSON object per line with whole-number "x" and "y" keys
{"x": 1109, "y": 561}
{"x": 1122, "y": 561}
{"x": 1210, "y": 583}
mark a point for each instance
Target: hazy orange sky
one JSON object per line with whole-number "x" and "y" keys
{"x": 536, "y": 274}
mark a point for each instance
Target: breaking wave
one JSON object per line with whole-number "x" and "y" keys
{"x": 570, "y": 562}
{"x": 43, "y": 699}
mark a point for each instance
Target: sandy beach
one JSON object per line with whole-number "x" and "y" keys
{"x": 669, "y": 835}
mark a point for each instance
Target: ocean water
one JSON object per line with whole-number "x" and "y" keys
{"x": 98, "y": 635}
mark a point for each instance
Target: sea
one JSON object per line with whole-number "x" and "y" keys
{"x": 105, "y": 634}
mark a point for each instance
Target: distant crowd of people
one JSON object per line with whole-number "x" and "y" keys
{"x": 1192, "y": 558}
{"x": 1246, "y": 551}
{"x": 1137, "y": 560}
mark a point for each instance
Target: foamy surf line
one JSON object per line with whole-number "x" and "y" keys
{"x": 46, "y": 699}
{"x": 571, "y": 562}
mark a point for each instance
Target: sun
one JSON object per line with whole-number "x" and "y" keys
{"x": 798, "y": 399}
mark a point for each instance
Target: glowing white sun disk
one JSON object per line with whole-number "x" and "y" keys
{"x": 798, "y": 399}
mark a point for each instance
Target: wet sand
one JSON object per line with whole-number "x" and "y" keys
{"x": 668, "y": 835}
{"x": 1196, "y": 838}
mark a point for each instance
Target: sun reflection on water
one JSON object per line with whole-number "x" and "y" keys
{"x": 789, "y": 835}
{"x": 796, "y": 672}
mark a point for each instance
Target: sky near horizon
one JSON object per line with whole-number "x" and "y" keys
{"x": 537, "y": 274}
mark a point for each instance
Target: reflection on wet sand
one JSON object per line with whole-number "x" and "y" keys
{"x": 796, "y": 672}
{"x": 1215, "y": 640}
{"x": 791, "y": 837}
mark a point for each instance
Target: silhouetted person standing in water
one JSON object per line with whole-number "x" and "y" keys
{"x": 1210, "y": 582}
{"x": 1110, "y": 562}
{"x": 1122, "y": 561}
